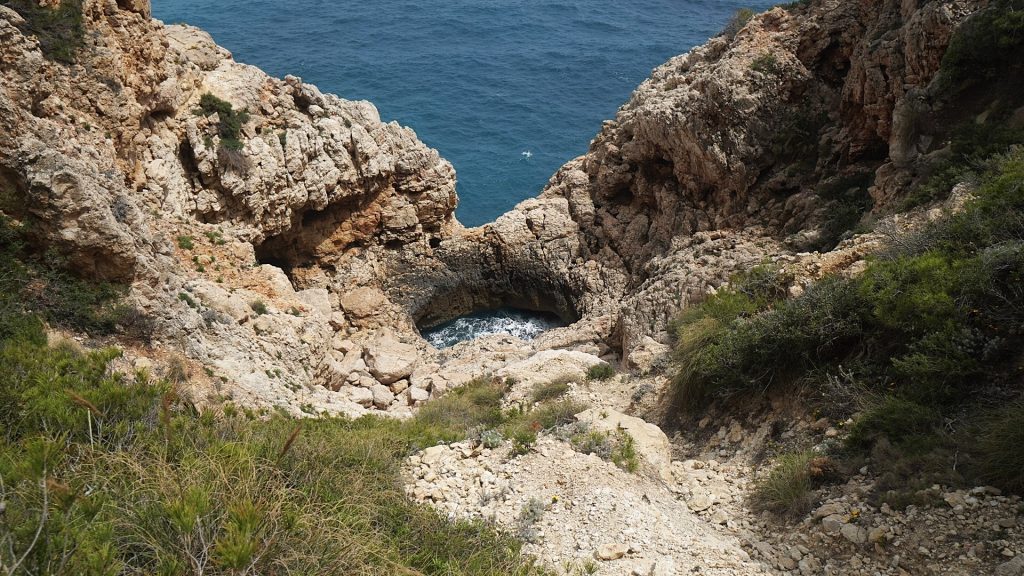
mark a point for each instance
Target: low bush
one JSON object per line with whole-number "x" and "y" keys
{"x": 41, "y": 283}
{"x": 230, "y": 121}
{"x": 787, "y": 489}
{"x": 767, "y": 64}
{"x": 988, "y": 41}
{"x": 928, "y": 326}
{"x": 602, "y": 371}
{"x": 550, "y": 390}
{"x": 737, "y": 22}
{"x": 59, "y": 30}
{"x": 1001, "y": 447}
{"x": 107, "y": 474}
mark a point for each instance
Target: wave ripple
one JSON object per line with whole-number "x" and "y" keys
{"x": 522, "y": 324}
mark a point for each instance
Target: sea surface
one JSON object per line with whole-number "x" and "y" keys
{"x": 508, "y": 91}
{"x": 519, "y": 323}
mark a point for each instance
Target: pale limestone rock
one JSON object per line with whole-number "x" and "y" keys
{"x": 363, "y": 302}
{"x": 608, "y": 552}
{"x": 651, "y": 443}
{"x": 389, "y": 359}
{"x": 546, "y": 366}
{"x": 361, "y": 396}
{"x": 417, "y": 395}
{"x": 382, "y": 396}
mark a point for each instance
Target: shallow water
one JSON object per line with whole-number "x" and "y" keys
{"x": 519, "y": 323}
{"x": 508, "y": 91}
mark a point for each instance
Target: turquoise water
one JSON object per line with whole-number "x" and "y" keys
{"x": 507, "y": 91}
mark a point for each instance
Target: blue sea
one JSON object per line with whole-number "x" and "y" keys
{"x": 508, "y": 91}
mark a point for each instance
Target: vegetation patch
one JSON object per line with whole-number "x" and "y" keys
{"x": 928, "y": 329}
{"x": 550, "y": 390}
{"x": 105, "y": 473}
{"x": 230, "y": 121}
{"x": 766, "y": 64}
{"x": 59, "y": 30}
{"x": 986, "y": 43}
{"x": 40, "y": 283}
{"x": 788, "y": 489}
{"x": 737, "y": 22}
{"x": 602, "y": 371}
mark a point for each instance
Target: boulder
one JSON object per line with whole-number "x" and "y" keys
{"x": 390, "y": 360}
{"x": 361, "y": 396}
{"x": 363, "y": 302}
{"x": 651, "y": 443}
{"x": 382, "y": 396}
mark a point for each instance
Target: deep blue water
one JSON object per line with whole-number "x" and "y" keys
{"x": 480, "y": 80}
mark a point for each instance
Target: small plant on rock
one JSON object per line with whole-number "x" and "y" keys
{"x": 602, "y": 371}
{"x": 550, "y": 390}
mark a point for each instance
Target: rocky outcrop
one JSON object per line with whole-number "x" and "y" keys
{"x": 117, "y": 166}
{"x": 290, "y": 242}
{"x": 760, "y": 146}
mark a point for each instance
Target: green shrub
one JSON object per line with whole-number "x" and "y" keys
{"x": 767, "y": 64}
{"x": 59, "y": 30}
{"x": 259, "y": 307}
{"x": 185, "y": 242}
{"x": 1001, "y": 448}
{"x": 107, "y": 475}
{"x": 523, "y": 440}
{"x": 41, "y": 283}
{"x": 986, "y": 43}
{"x": 624, "y": 453}
{"x": 897, "y": 420}
{"x": 788, "y": 488}
{"x": 550, "y": 390}
{"x": 928, "y": 329}
{"x": 602, "y": 371}
{"x": 738, "y": 21}
{"x": 230, "y": 121}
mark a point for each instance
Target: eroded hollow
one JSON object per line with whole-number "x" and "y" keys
{"x": 480, "y": 280}
{"x": 524, "y": 324}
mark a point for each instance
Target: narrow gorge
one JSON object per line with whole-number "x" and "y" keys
{"x": 285, "y": 249}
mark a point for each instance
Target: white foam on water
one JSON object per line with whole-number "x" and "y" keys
{"x": 519, "y": 323}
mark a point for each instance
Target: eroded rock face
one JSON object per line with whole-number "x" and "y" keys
{"x": 295, "y": 269}
{"x": 726, "y": 157}
{"x": 114, "y": 164}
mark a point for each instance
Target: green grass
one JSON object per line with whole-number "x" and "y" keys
{"x": 105, "y": 472}
{"x": 602, "y": 371}
{"x": 59, "y": 30}
{"x": 117, "y": 474}
{"x": 918, "y": 337}
{"x": 788, "y": 488}
{"x": 40, "y": 282}
{"x": 1002, "y": 437}
{"x": 550, "y": 390}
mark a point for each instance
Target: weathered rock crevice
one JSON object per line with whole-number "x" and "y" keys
{"x": 469, "y": 276}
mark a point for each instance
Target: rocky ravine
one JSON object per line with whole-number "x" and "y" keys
{"x": 293, "y": 273}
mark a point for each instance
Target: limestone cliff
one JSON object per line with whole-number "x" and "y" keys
{"x": 288, "y": 242}
{"x": 770, "y": 142}
{"x": 115, "y": 165}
